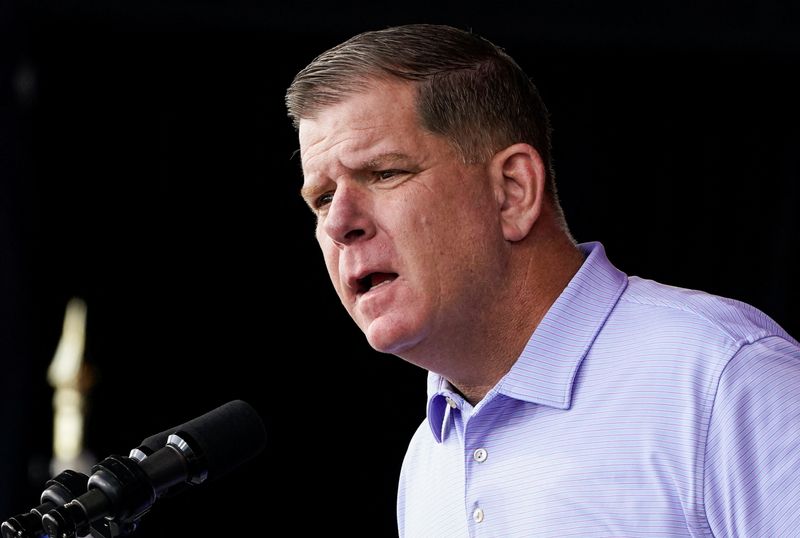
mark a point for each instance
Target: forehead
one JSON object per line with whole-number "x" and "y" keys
{"x": 382, "y": 114}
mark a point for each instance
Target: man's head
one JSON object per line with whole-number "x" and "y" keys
{"x": 421, "y": 158}
{"x": 467, "y": 89}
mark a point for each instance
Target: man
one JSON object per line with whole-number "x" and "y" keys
{"x": 564, "y": 398}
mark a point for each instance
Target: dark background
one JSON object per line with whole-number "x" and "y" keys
{"x": 146, "y": 166}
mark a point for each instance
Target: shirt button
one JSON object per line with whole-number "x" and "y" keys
{"x": 480, "y": 455}
{"x": 477, "y": 515}
{"x": 451, "y": 402}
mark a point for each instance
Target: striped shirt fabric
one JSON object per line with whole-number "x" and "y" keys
{"x": 636, "y": 409}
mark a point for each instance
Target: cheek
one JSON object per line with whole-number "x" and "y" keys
{"x": 458, "y": 239}
{"x": 433, "y": 232}
{"x": 331, "y": 256}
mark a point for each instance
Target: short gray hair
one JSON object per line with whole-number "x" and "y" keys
{"x": 468, "y": 90}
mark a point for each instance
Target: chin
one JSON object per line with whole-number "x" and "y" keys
{"x": 395, "y": 337}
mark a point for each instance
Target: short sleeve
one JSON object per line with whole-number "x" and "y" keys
{"x": 752, "y": 461}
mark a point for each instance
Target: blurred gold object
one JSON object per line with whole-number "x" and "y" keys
{"x": 68, "y": 375}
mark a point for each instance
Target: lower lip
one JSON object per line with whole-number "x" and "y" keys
{"x": 377, "y": 289}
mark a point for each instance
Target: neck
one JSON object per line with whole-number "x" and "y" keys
{"x": 539, "y": 269}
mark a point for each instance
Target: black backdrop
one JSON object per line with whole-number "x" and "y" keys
{"x": 146, "y": 165}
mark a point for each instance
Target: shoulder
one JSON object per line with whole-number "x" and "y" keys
{"x": 752, "y": 461}
{"x": 729, "y": 320}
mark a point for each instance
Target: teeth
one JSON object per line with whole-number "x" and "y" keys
{"x": 375, "y": 280}
{"x": 381, "y": 284}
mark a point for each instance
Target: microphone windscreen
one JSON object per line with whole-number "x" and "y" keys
{"x": 225, "y": 437}
{"x": 155, "y": 442}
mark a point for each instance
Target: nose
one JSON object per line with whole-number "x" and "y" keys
{"x": 349, "y": 218}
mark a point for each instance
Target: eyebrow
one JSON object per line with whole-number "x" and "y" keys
{"x": 309, "y": 193}
{"x": 382, "y": 160}
{"x": 312, "y": 191}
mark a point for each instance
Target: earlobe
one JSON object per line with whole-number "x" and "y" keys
{"x": 520, "y": 181}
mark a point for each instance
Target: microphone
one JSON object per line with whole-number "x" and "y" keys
{"x": 123, "y": 489}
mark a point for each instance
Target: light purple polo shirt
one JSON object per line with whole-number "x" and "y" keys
{"x": 636, "y": 409}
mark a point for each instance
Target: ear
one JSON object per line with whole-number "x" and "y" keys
{"x": 519, "y": 180}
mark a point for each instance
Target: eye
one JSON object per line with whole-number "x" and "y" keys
{"x": 323, "y": 200}
{"x": 383, "y": 175}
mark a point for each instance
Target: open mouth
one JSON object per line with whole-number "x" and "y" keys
{"x": 373, "y": 281}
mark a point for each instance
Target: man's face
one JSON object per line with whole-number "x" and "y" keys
{"x": 410, "y": 235}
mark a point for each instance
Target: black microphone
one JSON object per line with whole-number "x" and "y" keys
{"x": 122, "y": 489}
{"x": 66, "y": 486}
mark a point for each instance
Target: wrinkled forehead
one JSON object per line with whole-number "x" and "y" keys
{"x": 382, "y": 110}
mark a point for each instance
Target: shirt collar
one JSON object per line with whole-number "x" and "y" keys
{"x": 545, "y": 370}
{"x": 440, "y": 394}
